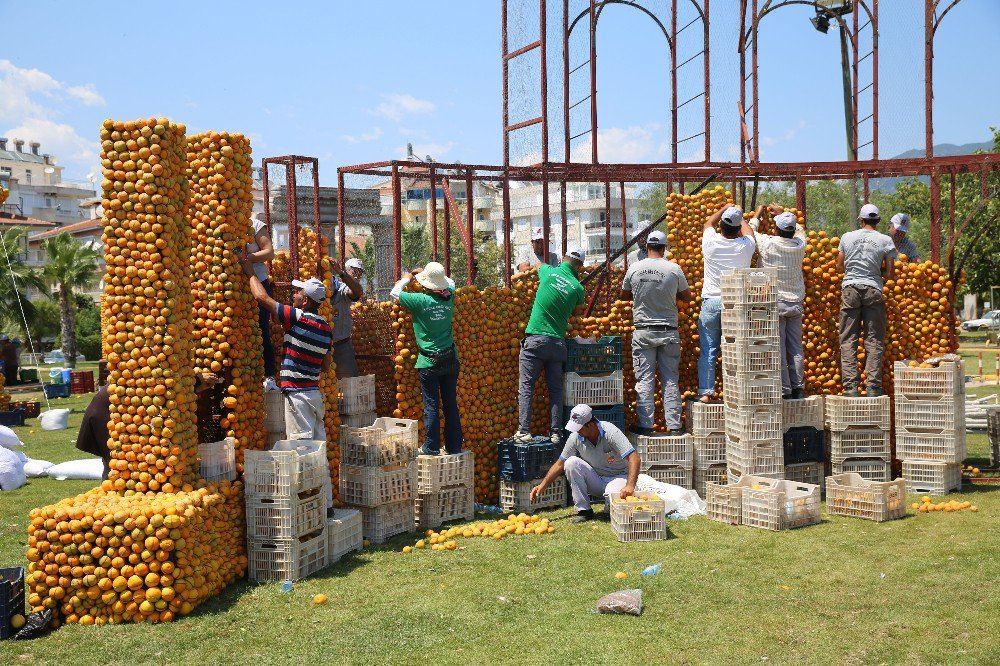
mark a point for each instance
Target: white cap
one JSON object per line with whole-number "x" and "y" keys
{"x": 537, "y": 233}
{"x": 870, "y": 213}
{"x": 579, "y": 417}
{"x": 901, "y": 222}
{"x": 732, "y": 217}
{"x": 433, "y": 277}
{"x": 785, "y": 221}
{"x": 313, "y": 288}
{"x": 577, "y": 253}
{"x": 354, "y": 262}
{"x": 656, "y": 238}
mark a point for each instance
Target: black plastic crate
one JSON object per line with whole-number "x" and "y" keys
{"x": 613, "y": 414}
{"x": 56, "y": 390}
{"x": 804, "y": 444}
{"x": 11, "y": 598}
{"x": 525, "y": 462}
{"x": 598, "y": 358}
{"x": 11, "y": 418}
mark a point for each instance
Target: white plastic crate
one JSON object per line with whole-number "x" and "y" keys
{"x": 678, "y": 476}
{"x": 753, "y": 424}
{"x": 841, "y": 413}
{"x": 358, "y": 420}
{"x": 945, "y": 381}
{"x": 948, "y": 447}
{"x": 752, "y": 389}
{"x": 383, "y": 522}
{"x": 786, "y": 505}
{"x": 445, "y": 470}
{"x": 756, "y": 458}
{"x": 851, "y": 495}
{"x": 705, "y": 418}
{"x": 641, "y": 518}
{"x": 287, "y": 560}
{"x": 289, "y": 467}
{"x": 872, "y": 469}
{"x": 810, "y": 472}
{"x": 433, "y": 509}
{"x": 357, "y": 394}
{"x": 270, "y": 519}
{"x": 749, "y": 286}
{"x": 749, "y": 323}
{"x": 803, "y": 413}
{"x": 593, "y": 390}
{"x": 217, "y": 460}
{"x": 709, "y": 450}
{"x": 664, "y": 450}
{"x": 711, "y": 474}
{"x": 343, "y": 533}
{"x": 385, "y": 441}
{"x": 933, "y": 478}
{"x": 374, "y": 486}
{"x": 867, "y": 443}
{"x": 751, "y": 356}
{"x": 930, "y": 416}
{"x": 274, "y": 412}
{"x": 724, "y": 502}
{"x": 515, "y": 496}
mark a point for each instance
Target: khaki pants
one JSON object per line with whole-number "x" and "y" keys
{"x": 862, "y": 305}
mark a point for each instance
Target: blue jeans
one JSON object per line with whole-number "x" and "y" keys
{"x": 441, "y": 393}
{"x": 264, "y": 319}
{"x": 710, "y": 334}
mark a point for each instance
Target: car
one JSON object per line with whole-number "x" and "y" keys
{"x": 989, "y": 321}
{"x": 55, "y": 357}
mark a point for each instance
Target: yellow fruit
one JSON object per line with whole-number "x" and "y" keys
{"x": 621, "y": 575}
{"x": 407, "y": 549}
{"x": 17, "y": 621}
{"x": 974, "y": 508}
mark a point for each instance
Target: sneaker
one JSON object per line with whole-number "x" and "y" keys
{"x": 555, "y": 437}
{"x": 798, "y": 394}
{"x": 875, "y": 392}
{"x": 522, "y": 437}
{"x": 582, "y": 516}
{"x": 851, "y": 393}
{"x": 270, "y": 384}
{"x": 786, "y": 396}
{"x": 424, "y": 451}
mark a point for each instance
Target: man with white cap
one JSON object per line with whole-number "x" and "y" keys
{"x": 904, "y": 244}
{"x": 356, "y": 268}
{"x": 732, "y": 246}
{"x": 866, "y": 259}
{"x": 598, "y": 460}
{"x": 544, "y": 344}
{"x": 655, "y": 285}
{"x": 536, "y": 254}
{"x": 640, "y": 252}
{"x": 346, "y": 291}
{"x": 785, "y": 251}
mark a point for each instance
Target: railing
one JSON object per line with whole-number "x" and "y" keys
{"x": 11, "y": 208}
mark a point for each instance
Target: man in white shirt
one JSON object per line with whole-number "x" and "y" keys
{"x": 785, "y": 252}
{"x": 535, "y": 255}
{"x": 734, "y": 247}
{"x": 904, "y": 245}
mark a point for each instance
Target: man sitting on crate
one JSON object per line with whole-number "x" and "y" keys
{"x": 598, "y": 460}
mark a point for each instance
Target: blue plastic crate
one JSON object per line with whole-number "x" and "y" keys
{"x": 599, "y": 358}
{"x": 525, "y": 462}
{"x": 613, "y": 414}
{"x": 804, "y": 444}
{"x": 12, "y": 418}
{"x": 56, "y": 390}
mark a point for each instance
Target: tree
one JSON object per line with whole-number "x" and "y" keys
{"x": 367, "y": 256}
{"x": 69, "y": 265}
{"x": 16, "y": 277}
{"x": 44, "y": 326}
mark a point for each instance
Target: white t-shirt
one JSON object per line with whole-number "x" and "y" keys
{"x": 721, "y": 254}
{"x": 259, "y": 269}
{"x": 785, "y": 254}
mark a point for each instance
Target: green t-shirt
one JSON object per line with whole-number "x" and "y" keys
{"x": 432, "y": 318}
{"x": 559, "y": 293}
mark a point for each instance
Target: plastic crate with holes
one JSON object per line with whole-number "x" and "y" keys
{"x": 751, "y": 356}
{"x": 593, "y": 389}
{"x": 275, "y": 519}
{"x": 804, "y": 445}
{"x": 217, "y": 460}
{"x": 724, "y": 501}
{"x": 374, "y": 486}
{"x": 765, "y": 459}
{"x": 753, "y": 424}
{"x": 515, "y": 496}
{"x": 381, "y": 523}
{"x": 594, "y": 357}
{"x": 523, "y": 461}
{"x": 930, "y": 417}
{"x": 434, "y": 509}
{"x": 752, "y": 390}
{"x": 709, "y": 450}
{"x": 445, "y": 471}
{"x": 11, "y": 598}
{"x": 948, "y": 447}
{"x": 867, "y": 443}
{"x": 386, "y": 441}
{"x": 783, "y": 506}
{"x": 611, "y": 413}
{"x": 12, "y": 418}
{"x": 358, "y": 420}
{"x": 670, "y": 450}
{"x": 852, "y": 495}
{"x": 842, "y": 413}
{"x": 872, "y": 469}
{"x": 705, "y": 418}
{"x": 710, "y": 474}
{"x": 933, "y": 478}
{"x": 803, "y": 413}
{"x": 288, "y": 467}
{"x": 639, "y": 518}
{"x": 749, "y": 286}
{"x": 274, "y": 411}
{"x": 343, "y": 533}
{"x": 672, "y": 474}
{"x": 287, "y": 559}
{"x": 809, "y": 472}
{"x": 746, "y": 323}
{"x": 356, "y": 394}
{"x": 937, "y": 383}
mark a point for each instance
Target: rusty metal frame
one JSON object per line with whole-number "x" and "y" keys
{"x": 289, "y": 162}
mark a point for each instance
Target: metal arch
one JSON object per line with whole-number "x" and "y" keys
{"x": 808, "y": 3}
{"x": 938, "y": 19}
{"x": 627, "y": 3}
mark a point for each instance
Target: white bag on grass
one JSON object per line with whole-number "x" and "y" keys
{"x": 11, "y": 470}
{"x": 54, "y": 419}
{"x": 35, "y": 468}
{"x": 677, "y": 498}
{"x": 9, "y": 438}
{"x": 89, "y": 468}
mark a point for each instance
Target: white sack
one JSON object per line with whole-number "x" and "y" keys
{"x": 54, "y": 419}
{"x": 677, "y": 498}
{"x": 9, "y": 438}
{"x": 35, "y": 468}
{"x": 89, "y": 468}
{"x": 11, "y": 470}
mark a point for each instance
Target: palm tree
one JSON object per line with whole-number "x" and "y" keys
{"x": 69, "y": 265}
{"x": 16, "y": 278}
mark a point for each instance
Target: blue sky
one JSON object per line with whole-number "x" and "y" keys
{"x": 354, "y": 82}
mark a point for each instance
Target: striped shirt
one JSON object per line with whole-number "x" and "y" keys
{"x": 307, "y": 341}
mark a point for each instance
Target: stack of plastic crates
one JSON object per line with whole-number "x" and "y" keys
{"x": 851, "y": 495}
{"x": 706, "y": 423}
{"x": 378, "y": 475}
{"x": 286, "y": 500}
{"x": 639, "y": 518}
{"x": 356, "y": 401}
{"x": 217, "y": 460}
{"x": 858, "y": 433}
{"x": 930, "y": 425}
{"x": 666, "y": 458}
{"x": 446, "y": 489}
{"x": 751, "y": 373}
{"x": 804, "y": 440}
{"x": 594, "y": 377}
{"x": 344, "y": 533}
{"x": 772, "y": 504}
{"x": 522, "y": 466}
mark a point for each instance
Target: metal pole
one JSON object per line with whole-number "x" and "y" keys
{"x": 434, "y": 216}
{"x": 935, "y": 225}
{"x": 756, "y": 96}
{"x": 593, "y": 84}
{"x": 929, "y": 87}
{"x": 544, "y": 83}
{"x": 607, "y": 220}
{"x": 621, "y": 189}
{"x": 800, "y": 196}
{"x": 848, "y": 116}
{"x": 743, "y": 83}
{"x": 562, "y": 212}
{"x": 505, "y": 197}
{"x": 854, "y": 85}
{"x": 341, "y": 216}
{"x": 875, "y": 80}
{"x": 291, "y": 206}
{"x": 470, "y": 226}
{"x": 708, "y": 86}
{"x": 566, "y": 102}
{"x": 397, "y": 225}
{"x": 673, "y": 81}
{"x": 316, "y": 227}
{"x": 951, "y": 216}
{"x": 546, "y": 222}
{"x": 447, "y": 238}
{"x": 506, "y": 73}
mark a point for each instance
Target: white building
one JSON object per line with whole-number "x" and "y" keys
{"x": 36, "y": 186}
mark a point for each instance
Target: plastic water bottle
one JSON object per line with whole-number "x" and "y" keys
{"x": 652, "y": 570}
{"x": 286, "y": 586}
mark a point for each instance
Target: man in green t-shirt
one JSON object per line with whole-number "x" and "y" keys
{"x": 544, "y": 344}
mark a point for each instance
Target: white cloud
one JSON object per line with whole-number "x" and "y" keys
{"x": 364, "y": 137}
{"x": 397, "y": 105}
{"x": 57, "y": 138}
{"x": 87, "y": 94}
{"x": 435, "y": 150}
{"x": 621, "y": 145}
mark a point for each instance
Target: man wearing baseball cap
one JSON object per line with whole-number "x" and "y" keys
{"x": 655, "y": 285}
{"x": 731, "y": 247}
{"x": 544, "y": 344}
{"x": 904, "y": 245}
{"x": 598, "y": 460}
{"x": 356, "y": 268}
{"x": 640, "y": 253}
{"x": 785, "y": 251}
{"x": 866, "y": 259}
{"x": 536, "y": 254}
{"x": 346, "y": 291}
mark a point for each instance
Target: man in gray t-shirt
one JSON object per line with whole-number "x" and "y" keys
{"x": 654, "y": 285}
{"x": 866, "y": 259}
{"x": 346, "y": 291}
{"x": 598, "y": 460}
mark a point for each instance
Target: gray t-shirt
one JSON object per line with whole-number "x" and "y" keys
{"x": 607, "y": 457}
{"x": 341, "y": 302}
{"x": 864, "y": 250}
{"x": 654, "y": 284}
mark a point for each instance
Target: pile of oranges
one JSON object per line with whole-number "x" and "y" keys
{"x": 519, "y": 524}
{"x": 927, "y": 505}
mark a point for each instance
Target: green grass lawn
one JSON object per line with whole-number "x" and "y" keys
{"x": 922, "y": 590}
